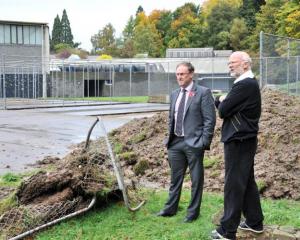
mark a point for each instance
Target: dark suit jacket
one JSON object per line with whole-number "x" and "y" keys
{"x": 199, "y": 117}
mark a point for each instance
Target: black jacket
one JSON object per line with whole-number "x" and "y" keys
{"x": 241, "y": 110}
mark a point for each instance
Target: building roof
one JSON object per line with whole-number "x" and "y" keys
{"x": 21, "y": 22}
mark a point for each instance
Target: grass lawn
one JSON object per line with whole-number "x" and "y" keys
{"x": 116, "y": 222}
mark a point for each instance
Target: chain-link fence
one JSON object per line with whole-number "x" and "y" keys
{"x": 73, "y": 82}
{"x": 280, "y": 63}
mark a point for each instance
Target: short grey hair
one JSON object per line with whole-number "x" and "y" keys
{"x": 190, "y": 66}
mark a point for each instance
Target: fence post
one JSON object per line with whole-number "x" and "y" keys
{"x": 297, "y": 76}
{"x": 148, "y": 67}
{"x": 4, "y": 84}
{"x": 130, "y": 79}
{"x": 261, "y": 59}
{"x": 288, "y": 68}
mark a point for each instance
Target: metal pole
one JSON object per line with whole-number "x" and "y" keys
{"x": 130, "y": 80}
{"x": 148, "y": 68}
{"x": 168, "y": 77}
{"x": 4, "y": 83}
{"x": 297, "y": 76}
{"x": 288, "y": 68}
{"x": 266, "y": 71}
{"x": 261, "y": 59}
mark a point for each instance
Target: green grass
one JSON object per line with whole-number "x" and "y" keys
{"x": 116, "y": 222}
{"x": 10, "y": 180}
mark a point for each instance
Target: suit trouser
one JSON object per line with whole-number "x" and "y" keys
{"x": 240, "y": 191}
{"x": 180, "y": 156}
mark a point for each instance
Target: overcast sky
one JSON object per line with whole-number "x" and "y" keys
{"x": 87, "y": 17}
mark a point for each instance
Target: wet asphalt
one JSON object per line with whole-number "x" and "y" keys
{"x": 28, "y": 135}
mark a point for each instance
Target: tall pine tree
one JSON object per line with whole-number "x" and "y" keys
{"x": 56, "y": 33}
{"x": 67, "y": 36}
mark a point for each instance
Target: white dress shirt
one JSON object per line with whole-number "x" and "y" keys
{"x": 248, "y": 74}
{"x": 188, "y": 90}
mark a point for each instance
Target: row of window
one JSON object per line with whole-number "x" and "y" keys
{"x": 19, "y": 34}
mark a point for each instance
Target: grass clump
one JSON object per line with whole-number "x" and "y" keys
{"x": 261, "y": 185}
{"x": 7, "y": 203}
{"x": 129, "y": 157}
{"x": 138, "y": 138}
{"x": 141, "y": 167}
{"x": 10, "y": 180}
{"x": 210, "y": 162}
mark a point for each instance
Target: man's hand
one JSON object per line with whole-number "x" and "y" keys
{"x": 221, "y": 98}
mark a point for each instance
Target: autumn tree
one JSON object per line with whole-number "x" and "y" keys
{"x": 146, "y": 38}
{"x": 186, "y": 28}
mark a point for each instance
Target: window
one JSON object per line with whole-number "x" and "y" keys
{"x": 38, "y": 39}
{"x": 1, "y": 33}
{"x": 7, "y": 34}
{"x": 32, "y": 35}
{"x": 13, "y": 30}
{"x": 20, "y": 34}
{"x": 26, "y": 34}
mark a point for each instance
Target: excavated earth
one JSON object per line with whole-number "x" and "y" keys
{"x": 140, "y": 148}
{"x": 143, "y": 158}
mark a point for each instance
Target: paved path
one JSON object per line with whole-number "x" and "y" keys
{"x": 29, "y": 135}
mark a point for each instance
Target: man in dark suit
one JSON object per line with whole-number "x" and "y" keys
{"x": 240, "y": 111}
{"x": 192, "y": 119}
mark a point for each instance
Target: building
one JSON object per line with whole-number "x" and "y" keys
{"x": 24, "y": 58}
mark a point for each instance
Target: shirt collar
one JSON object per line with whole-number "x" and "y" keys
{"x": 248, "y": 74}
{"x": 189, "y": 87}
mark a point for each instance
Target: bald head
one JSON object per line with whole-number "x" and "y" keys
{"x": 239, "y": 63}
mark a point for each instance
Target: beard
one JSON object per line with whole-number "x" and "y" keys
{"x": 237, "y": 72}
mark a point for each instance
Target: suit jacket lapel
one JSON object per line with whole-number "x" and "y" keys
{"x": 173, "y": 102}
{"x": 190, "y": 98}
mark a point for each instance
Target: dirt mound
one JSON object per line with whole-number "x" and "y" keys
{"x": 52, "y": 194}
{"x": 139, "y": 146}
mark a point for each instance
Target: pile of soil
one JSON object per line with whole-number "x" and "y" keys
{"x": 68, "y": 185}
{"x": 139, "y": 145}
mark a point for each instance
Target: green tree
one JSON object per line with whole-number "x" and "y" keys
{"x": 147, "y": 40}
{"x": 248, "y": 11}
{"x": 139, "y": 10}
{"x": 219, "y": 20}
{"x": 238, "y": 34}
{"x": 186, "y": 28}
{"x": 288, "y": 19}
{"x": 104, "y": 41}
{"x": 67, "y": 36}
{"x": 56, "y": 33}
{"x": 129, "y": 28}
{"x": 266, "y": 22}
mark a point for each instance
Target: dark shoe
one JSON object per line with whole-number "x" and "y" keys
{"x": 164, "y": 214}
{"x": 245, "y": 227}
{"x": 189, "y": 219}
{"x": 215, "y": 235}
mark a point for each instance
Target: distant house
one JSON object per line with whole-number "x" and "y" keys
{"x": 24, "y": 50}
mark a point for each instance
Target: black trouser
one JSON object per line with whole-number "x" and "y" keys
{"x": 180, "y": 156}
{"x": 240, "y": 191}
